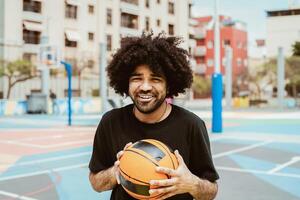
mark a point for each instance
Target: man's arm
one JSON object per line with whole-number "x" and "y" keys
{"x": 103, "y": 180}
{"x": 203, "y": 189}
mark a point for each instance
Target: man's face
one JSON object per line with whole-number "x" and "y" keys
{"x": 146, "y": 89}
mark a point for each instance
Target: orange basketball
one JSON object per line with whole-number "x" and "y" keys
{"x": 138, "y": 163}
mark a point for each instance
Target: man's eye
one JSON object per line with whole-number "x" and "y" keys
{"x": 135, "y": 79}
{"x": 156, "y": 80}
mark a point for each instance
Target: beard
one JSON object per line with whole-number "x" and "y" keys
{"x": 148, "y": 107}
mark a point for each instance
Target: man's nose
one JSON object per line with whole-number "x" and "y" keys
{"x": 145, "y": 86}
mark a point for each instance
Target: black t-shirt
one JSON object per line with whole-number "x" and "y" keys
{"x": 181, "y": 130}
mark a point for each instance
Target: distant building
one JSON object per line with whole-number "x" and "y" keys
{"x": 232, "y": 33}
{"x": 283, "y": 30}
{"x": 78, "y": 26}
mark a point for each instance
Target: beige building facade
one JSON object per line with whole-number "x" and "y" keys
{"x": 77, "y": 27}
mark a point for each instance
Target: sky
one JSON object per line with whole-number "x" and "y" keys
{"x": 252, "y": 12}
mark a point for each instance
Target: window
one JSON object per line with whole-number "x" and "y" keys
{"x": 32, "y": 6}
{"x": 109, "y": 16}
{"x": 91, "y": 36}
{"x": 147, "y": 25}
{"x": 226, "y": 43}
{"x": 90, "y": 63}
{"x": 171, "y": 8}
{"x": 190, "y": 10}
{"x": 91, "y": 9}
{"x": 135, "y": 2}
{"x": 158, "y": 23}
{"x": 31, "y": 37}
{"x": 108, "y": 42}
{"x": 129, "y": 20}
{"x": 147, "y": 5}
{"x": 70, "y": 11}
{"x": 171, "y": 29}
{"x": 69, "y": 43}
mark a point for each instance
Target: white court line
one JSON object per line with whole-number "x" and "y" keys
{"x": 55, "y": 136}
{"x": 15, "y": 196}
{"x": 241, "y": 149}
{"x": 50, "y": 159}
{"x": 280, "y": 167}
{"x": 257, "y": 172}
{"x": 45, "y": 146}
{"x": 5, "y": 178}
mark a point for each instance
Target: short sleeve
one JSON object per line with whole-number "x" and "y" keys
{"x": 100, "y": 159}
{"x": 201, "y": 163}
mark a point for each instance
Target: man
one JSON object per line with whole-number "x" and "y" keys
{"x": 53, "y": 100}
{"x": 150, "y": 69}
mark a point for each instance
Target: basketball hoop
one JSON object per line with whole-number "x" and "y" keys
{"x": 49, "y": 56}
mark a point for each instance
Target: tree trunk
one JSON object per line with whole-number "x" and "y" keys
{"x": 79, "y": 83}
{"x": 9, "y": 88}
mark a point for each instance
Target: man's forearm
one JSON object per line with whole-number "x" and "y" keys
{"x": 204, "y": 189}
{"x": 103, "y": 180}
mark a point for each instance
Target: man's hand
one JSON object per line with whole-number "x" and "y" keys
{"x": 181, "y": 181}
{"x": 117, "y": 163}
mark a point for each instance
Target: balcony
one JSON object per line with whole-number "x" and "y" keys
{"x": 200, "y": 69}
{"x": 200, "y": 33}
{"x": 200, "y": 51}
{"x": 32, "y": 16}
{"x": 124, "y": 31}
{"x": 130, "y": 8}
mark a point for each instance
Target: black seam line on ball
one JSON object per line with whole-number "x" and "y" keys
{"x": 133, "y": 178}
{"x": 167, "y": 152}
{"x": 135, "y": 188}
{"x": 143, "y": 156}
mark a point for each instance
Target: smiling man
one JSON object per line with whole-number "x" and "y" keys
{"x": 150, "y": 69}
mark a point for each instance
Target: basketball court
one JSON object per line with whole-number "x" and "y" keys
{"x": 257, "y": 156}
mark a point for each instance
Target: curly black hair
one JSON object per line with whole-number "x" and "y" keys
{"x": 160, "y": 53}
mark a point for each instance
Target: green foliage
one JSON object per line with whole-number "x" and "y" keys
{"x": 16, "y": 71}
{"x": 296, "y": 48}
{"x": 201, "y": 85}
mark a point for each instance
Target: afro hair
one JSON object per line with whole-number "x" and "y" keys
{"x": 162, "y": 54}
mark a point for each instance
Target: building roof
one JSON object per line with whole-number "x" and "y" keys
{"x": 283, "y": 12}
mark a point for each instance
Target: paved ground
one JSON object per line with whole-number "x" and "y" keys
{"x": 257, "y": 156}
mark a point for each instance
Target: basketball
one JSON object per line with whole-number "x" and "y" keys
{"x": 138, "y": 163}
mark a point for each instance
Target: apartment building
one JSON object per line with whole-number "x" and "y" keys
{"x": 232, "y": 33}
{"x": 283, "y": 30}
{"x": 77, "y": 27}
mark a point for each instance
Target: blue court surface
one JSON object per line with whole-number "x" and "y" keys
{"x": 257, "y": 156}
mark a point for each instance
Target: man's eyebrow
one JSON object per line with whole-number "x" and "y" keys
{"x": 135, "y": 74}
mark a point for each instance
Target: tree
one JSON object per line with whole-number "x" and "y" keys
{"x": 296, "y": 48}
{"x": 16, "y": 72}
{"x": 292, "y": 73}
{"x": 264, "y": 76}
{"x": 201, "y": 86}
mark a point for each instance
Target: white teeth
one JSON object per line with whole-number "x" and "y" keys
{"x": 145, "y": 96}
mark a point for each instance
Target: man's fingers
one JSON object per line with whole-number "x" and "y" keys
{"x": 127, "y": 145}
{"x": 163, "y": 183}
{"x": 179, "y": 157}
{"x": 116, "y": 171}
{"x": 162, "y": 190}
{"x": 167, "y": 171}
{"x": 119, "y": 154}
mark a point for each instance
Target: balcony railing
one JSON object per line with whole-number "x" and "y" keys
{"x": 200, "y": 51}
{"x": 200, "y": 33}
{"x": 200, "y": 69}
